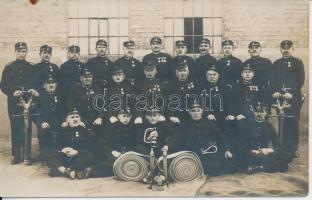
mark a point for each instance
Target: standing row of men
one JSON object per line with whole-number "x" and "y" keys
{"x": 242, "y": 85}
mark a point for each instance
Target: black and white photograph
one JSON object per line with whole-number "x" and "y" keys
{"x": 154, "y": 98}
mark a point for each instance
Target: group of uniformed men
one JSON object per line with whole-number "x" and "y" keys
{"x": 78, "y": 140}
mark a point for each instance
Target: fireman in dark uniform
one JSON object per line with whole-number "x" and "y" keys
{"x": 82, "y": 98}
{"x": 121, "y": 93}
{"x": 132, "y": 67}
{"x": 152, "y": 89}
{"x": 217, "y": 99}
{"x": 287, "y": 79}
{"x": 74, "y": 156}
{"x": 163, "y": 60}
{"x": 205, "y": 60}
{"x": 100, "y": 66}
{"x": 248, "y": 93}
{"x": 185, "y": 89}
{"x": 18, "y": 77}
{"x": 229, "y": 66}
{"x": 261, "y": 66}
{"x": 205, "y": 139}
{"x": 45, "y": 67}
{"x": 162, "y": 132}
{"x": 181, "y": 49}
{"x": 52, "y": 113}
{"x": 118, "y": 139}
{"x": 71, "y": 69}
{"x": 254, "y": 153}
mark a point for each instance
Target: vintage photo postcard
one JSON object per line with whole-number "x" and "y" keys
{"x": 154, "y": 98}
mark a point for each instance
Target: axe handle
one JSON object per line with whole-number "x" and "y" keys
{"x": 165, "y": 165}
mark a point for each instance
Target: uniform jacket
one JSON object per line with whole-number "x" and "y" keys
{"x": 202, "y": 63}
{"x": 17, "y": 75}
{"x": 82, "y": 98}
{"x": 43, "y": 69}
{"x": 101, "y": 68}
{"x": 132, "y": 67}
{"x": 167, "y": 135}
{"x": 183, "y": 59}
{"x": 77, "y": 138}
{"x": 201, "y": 134}
{"x": 51, "y": 108}
{"x": 288, "y": 72}
{"x": 118, "y": 91}
{"x": 253, "y": 135}
{"x": 117, "y": 137}
{"x": 186, "y": 90}
{"x": 70, "y": 74}
{"x": 262, "y": 68}
{"x": 230, "y": 69}
{"x": 219, "y": 99}
{"x": 247, "y": 94}
{"x": 164, "y": 65}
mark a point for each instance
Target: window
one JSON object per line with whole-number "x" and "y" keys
{"x": 191, "y": 20}
{"x": 90, "y": 20}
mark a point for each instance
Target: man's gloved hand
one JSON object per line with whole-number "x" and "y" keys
{"x": 138, "y": 120}
{"x": 211, "y": 117}
{"x": 230, "y": 118}
{"x": 45, "y": 125}
{"x": 175, "y": 119}
{"x": 287, "y": 96}
{"x": 98, "y": 121}
{"x": 72, "y": 153}
{"x": 152, "y": 135}
{"x": 116, "y": 154}
{"x": 66, "y": 150}
{"x": 64, "y": 125}
{"x": 162, "y": 118}
{"x": 276, "y": 95}
{"x": 113, "y": 119}
{"x": 256, "y": 151}
{"x": 33, "y": 92}
{"x": 240, "y": 117}
{"x": 82, "y": 124}
{"x": 17, "y": 93}
{"x": 267, "y": 151}
{"x": 228, "y": 154}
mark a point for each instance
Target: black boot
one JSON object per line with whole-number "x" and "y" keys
{"x": 16, "y": 160}
{"x": 254, "y": 169}
{"x": 296, "y": 154}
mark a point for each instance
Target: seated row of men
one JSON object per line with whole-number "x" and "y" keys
{"x": 78, "y": 153}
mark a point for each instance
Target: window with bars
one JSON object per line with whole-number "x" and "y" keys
{"x": 191, "y": 20}
{"x": 90, "y": 20}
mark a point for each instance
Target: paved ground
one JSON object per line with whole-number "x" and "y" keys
{"x": 32, "y": 181}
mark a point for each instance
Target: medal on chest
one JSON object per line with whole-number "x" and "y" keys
{"x": 77, "y": 134}
{"x": 156, "y": 88}
{"x": 132, "y": 63}
{"x": 90, "y": 92}
{"x": 161, "y": 59}
{"x": 50, "y": 68}
{"x": 121, "y": 91}
{"x": 228, "y": 62}
{"x": 253, "y": 88}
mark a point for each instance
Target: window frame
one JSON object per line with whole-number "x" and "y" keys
{"x": 108, "y": 19}
{"x": 214, "y": 38}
